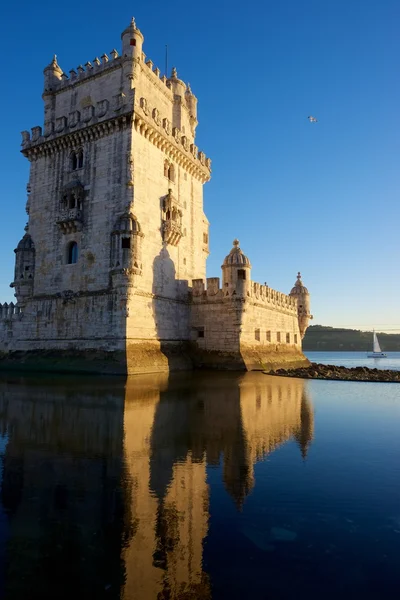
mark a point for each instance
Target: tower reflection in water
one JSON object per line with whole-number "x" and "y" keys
{"x": 104, "y": 483}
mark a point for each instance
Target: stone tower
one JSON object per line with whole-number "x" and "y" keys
{"x": 115, "y": 200}
{"x": 300, "y": 292}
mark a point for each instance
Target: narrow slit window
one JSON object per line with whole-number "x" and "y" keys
{"x": 80, "y": 159}
{"x": 72, "y": 253}
{"x": 288, "y": 338}
{"x": 74, "y": 161}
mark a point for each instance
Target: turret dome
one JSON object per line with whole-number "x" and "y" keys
{"x": 26, "y": 243}
{"x": 299, "y": 287}
{"x": 236, "y": 257}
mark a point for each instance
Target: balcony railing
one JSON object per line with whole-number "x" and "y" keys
{"x": 70, "y": 220}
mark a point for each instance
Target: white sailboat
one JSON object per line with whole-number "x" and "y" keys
{"x": 376, "y": 349}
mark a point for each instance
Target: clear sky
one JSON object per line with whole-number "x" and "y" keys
{"x": 320, "y": 198}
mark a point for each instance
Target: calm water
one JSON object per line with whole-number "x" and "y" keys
{"x": 356, "y": 359}
{"x": 199, "y": 486}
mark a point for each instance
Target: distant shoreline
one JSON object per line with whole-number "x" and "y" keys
{"x": 320, "y": 338}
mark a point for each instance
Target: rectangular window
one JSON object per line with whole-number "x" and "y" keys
{"x": 295, "y": 338}
{"x": 268, "y": 336}
{"x": 278, "y": 336}
{"x": 257, "y": 334}
{"x": 200, "y": 332}
{"x": 205, "y": 238}
{"x": 125, "y": 242}
{"x": 288, "y": 338}
{"x": 241, "y": 274}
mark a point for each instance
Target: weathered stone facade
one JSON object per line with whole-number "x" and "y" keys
{"x": 117, "y": 234}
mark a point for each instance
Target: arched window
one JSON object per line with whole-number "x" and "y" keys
{"x": 74, "y": 161}
{"x": 80, "y": 159}
{"x": 72, "y": 255}
{"x": 171, "y": 173}
{"x": 166, "y": 168}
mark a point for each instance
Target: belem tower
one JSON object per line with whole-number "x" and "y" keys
{"x": 110, "y": 275}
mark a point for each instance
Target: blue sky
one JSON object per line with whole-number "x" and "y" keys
{"x": 321, "y": 198}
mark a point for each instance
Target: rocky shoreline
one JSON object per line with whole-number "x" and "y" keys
{"x": 335, "y": 373}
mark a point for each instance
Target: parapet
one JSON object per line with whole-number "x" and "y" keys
{"x": 258, "y": 293}
{"x": 203, "y": 292}
{"x": 10, "y": 312}
{"x": 265, "y": 294}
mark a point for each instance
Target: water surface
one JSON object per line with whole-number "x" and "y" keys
{"x": 356, "y": 359}
{"x": 198, "y": 485}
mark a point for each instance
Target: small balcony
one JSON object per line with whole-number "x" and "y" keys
{"x": 172, "y": 232}
{"x": 70, "y": 220}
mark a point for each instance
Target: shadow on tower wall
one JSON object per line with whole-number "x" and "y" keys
{"x": 171, "y": 312}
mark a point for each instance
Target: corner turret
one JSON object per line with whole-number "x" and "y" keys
{"x": 236, "y": 270}
{"x": 24, "y": 269}
{"x": 52, "y": 75}
{"x": 300, "y": 292}
{"x": 191, "y": 103}
{"x": 132, "y": 41}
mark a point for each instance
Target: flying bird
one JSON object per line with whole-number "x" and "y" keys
{"x": 312, "y": 119}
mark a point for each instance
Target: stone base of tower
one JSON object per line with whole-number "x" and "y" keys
{"x": 149, "y": 357}
{"x": 141, "y": 357}
{"x": 249, "y": 358}
{"x": 282, "y": 357}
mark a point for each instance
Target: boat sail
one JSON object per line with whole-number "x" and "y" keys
{"x": 376, "y": 349}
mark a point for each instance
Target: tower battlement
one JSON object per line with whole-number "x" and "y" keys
{"x": 164, "y": 109}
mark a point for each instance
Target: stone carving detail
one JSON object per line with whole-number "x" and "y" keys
{"x": 167, "y": 126}
{"x": 119, "y": 101}
{"x": 61, "y": 123}
{"x": 74, "y": 118}
{"x": 102, "y": 108}
{"x": 177, "y": 134}
{"x": 156, "y": 116}
{"x": 48, "y": 128}
{"x": 88, "y": 113}
{"x": 129, "y": 170}
{"x": 143, "y": 105}
{"x": 202, "y": 158}
{"x": 172, "y": 220}
{"x": 185, "y": 143}
{"x": 36, "y": 133}
{"x": 194, "y": 150}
